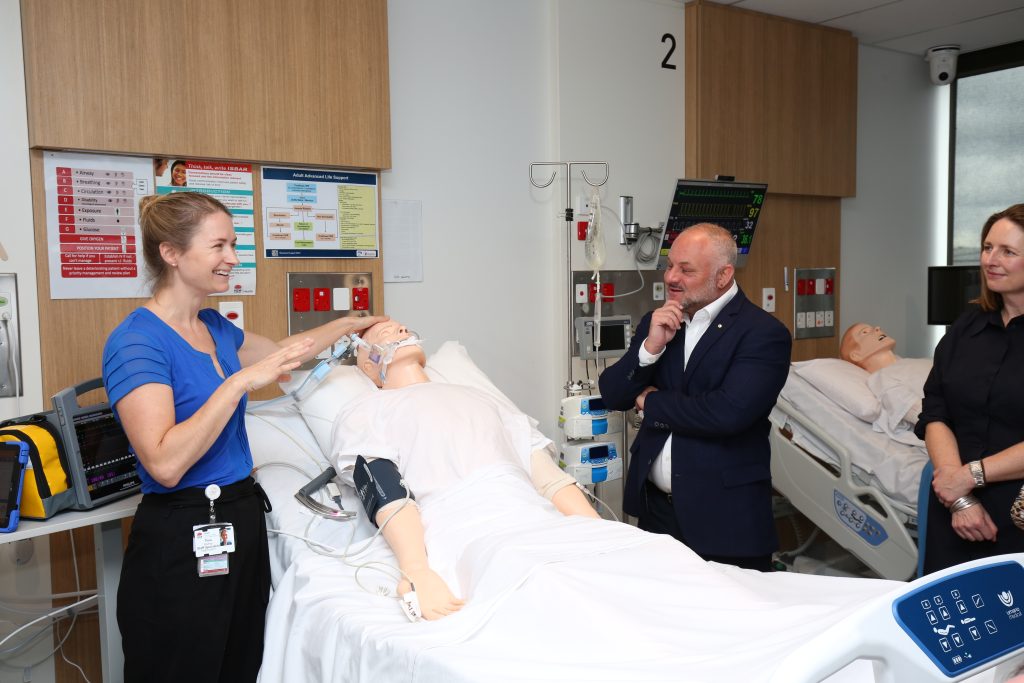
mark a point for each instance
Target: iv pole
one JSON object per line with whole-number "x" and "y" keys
{"x": 568, "y": 215}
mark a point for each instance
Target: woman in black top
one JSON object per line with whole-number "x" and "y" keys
{"x": 973, "y": 410}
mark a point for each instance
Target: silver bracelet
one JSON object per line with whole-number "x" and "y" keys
{"x": 963, "y": 503}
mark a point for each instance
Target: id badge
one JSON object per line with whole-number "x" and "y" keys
{"x": 213, "y": 539}
{"x": 213, "y": 565}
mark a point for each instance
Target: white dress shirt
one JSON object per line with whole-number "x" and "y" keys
{"x": 661, "y": 469}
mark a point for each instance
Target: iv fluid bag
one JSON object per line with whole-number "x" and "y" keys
{"x": 593, "y": 248}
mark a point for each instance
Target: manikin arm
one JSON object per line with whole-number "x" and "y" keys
{"x": 404, "y": 533}
{"x": 558, "y": 486}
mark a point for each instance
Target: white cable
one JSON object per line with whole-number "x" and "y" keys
{"x": 74, "y": 620}
{"x": 67, "y": 608}
{"x": 319, "y": 461}
{"x": 281, "y": 463}
{"x": 344, "y": 555}
{"x": 65, "y": 658}
{"x": 13, "y": 651}
{"x": 636, "y": 255}
{"x": 586, "y": 491}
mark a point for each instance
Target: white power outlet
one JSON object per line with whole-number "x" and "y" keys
{"x": 768, "y": 299}
{"x": 658, "y": 291}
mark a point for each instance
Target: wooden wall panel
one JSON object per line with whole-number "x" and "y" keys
{"x": 810, "y": 128}
{"x": 267, "y": 80}
{"x": 728, "y": 101}
{"x": 770, "y": 100}
{"x": 774, "y": 100}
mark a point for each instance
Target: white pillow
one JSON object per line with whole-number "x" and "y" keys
{"x": 450, "y": 363}
{"x": 844, "y": 383}
{"x": 341, "y": 385}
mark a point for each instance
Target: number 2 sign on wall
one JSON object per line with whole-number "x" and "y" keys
{"x": 671, "y": 40}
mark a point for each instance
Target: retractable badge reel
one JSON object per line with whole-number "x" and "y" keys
{"x": 212, "y": 542}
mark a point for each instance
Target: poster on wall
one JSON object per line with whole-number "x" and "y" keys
{"x": 92, "y": 231}
{"x": 231, "y": 183}
{"x": 319, "y": 213}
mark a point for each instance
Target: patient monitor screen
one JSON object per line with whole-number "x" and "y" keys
{"x": 108, "y": 464}
{"x": 734, "y": 206}
{"x": 613, "y": 337}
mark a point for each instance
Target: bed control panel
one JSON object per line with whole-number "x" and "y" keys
{"x": 858, "y": 519}
{"x": 967, "y": 619}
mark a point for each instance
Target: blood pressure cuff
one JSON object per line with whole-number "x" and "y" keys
{"x": 378, "y": 483}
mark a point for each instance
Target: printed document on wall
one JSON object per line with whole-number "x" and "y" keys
{"x": 319, "y": 213}
{"x": 402, "y": 235}
{"x": 92, "y": 232}
{"x": 231, "y": 183}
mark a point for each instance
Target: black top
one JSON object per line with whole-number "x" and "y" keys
{"x": 976, "y": 387}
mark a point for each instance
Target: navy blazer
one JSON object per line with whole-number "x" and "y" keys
{"x": 717, "y": 413}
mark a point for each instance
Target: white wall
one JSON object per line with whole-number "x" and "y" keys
{"x": 24, "y": 568}
{"x": 16, "y": 231}
{"x": 481, "y": 88}
{"x": 895, "y": 227}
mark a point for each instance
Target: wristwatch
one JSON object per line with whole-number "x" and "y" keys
{"x": 978, "y": 472}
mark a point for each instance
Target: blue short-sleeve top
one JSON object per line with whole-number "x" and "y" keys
{"x": 143, "y": 350}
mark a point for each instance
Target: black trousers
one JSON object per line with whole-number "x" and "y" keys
{"x": 176, "y": 626}
{"x": 660, "y": 518}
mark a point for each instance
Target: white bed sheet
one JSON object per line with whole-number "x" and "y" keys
{"x": 549, "y": 597}
{"x": 893, "y": 467}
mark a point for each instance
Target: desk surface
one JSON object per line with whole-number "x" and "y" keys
{"x": 72, "y": 519}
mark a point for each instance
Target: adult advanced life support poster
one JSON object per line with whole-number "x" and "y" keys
{"x": 319, "y": 213}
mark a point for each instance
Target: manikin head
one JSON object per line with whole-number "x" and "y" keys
{"x": 391, "y": 355}
{"x": 867, "y": 346}
{"x": 701, "y": 265}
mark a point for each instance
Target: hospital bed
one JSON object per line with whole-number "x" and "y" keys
{"x": 855, "y": 483}
{"x": 558, "y": 598}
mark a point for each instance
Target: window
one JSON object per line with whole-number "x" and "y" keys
{"x": 987, "y": 145}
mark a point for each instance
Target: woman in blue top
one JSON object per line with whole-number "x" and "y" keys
{"x": 177, "y": 376}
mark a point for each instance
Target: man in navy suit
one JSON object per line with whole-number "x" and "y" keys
{"x": 705, "y": 369}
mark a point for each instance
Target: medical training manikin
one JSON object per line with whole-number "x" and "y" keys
{"x": 416, "y": 439}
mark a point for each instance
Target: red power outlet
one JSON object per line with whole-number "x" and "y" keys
{"x": 321, "y": 299}
{"x": 608, "y": 291}
{"x": 360, "y": 298}
{"x": 300, "y": 300}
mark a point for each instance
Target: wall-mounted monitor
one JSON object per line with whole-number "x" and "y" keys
{"x": 950, "y": 290}
{"x": 734, "y": 206}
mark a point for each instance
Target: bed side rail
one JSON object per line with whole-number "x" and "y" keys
{"x": 861, "y": 518}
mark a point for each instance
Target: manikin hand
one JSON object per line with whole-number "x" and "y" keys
{"x": 665, "y": 322}
{"x": 951, "y": 483}
{"x": 436, "y": 599}
{"x": 974, "y": 524}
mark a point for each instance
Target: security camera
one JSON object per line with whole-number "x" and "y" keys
{"x": 942, "y": 59}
